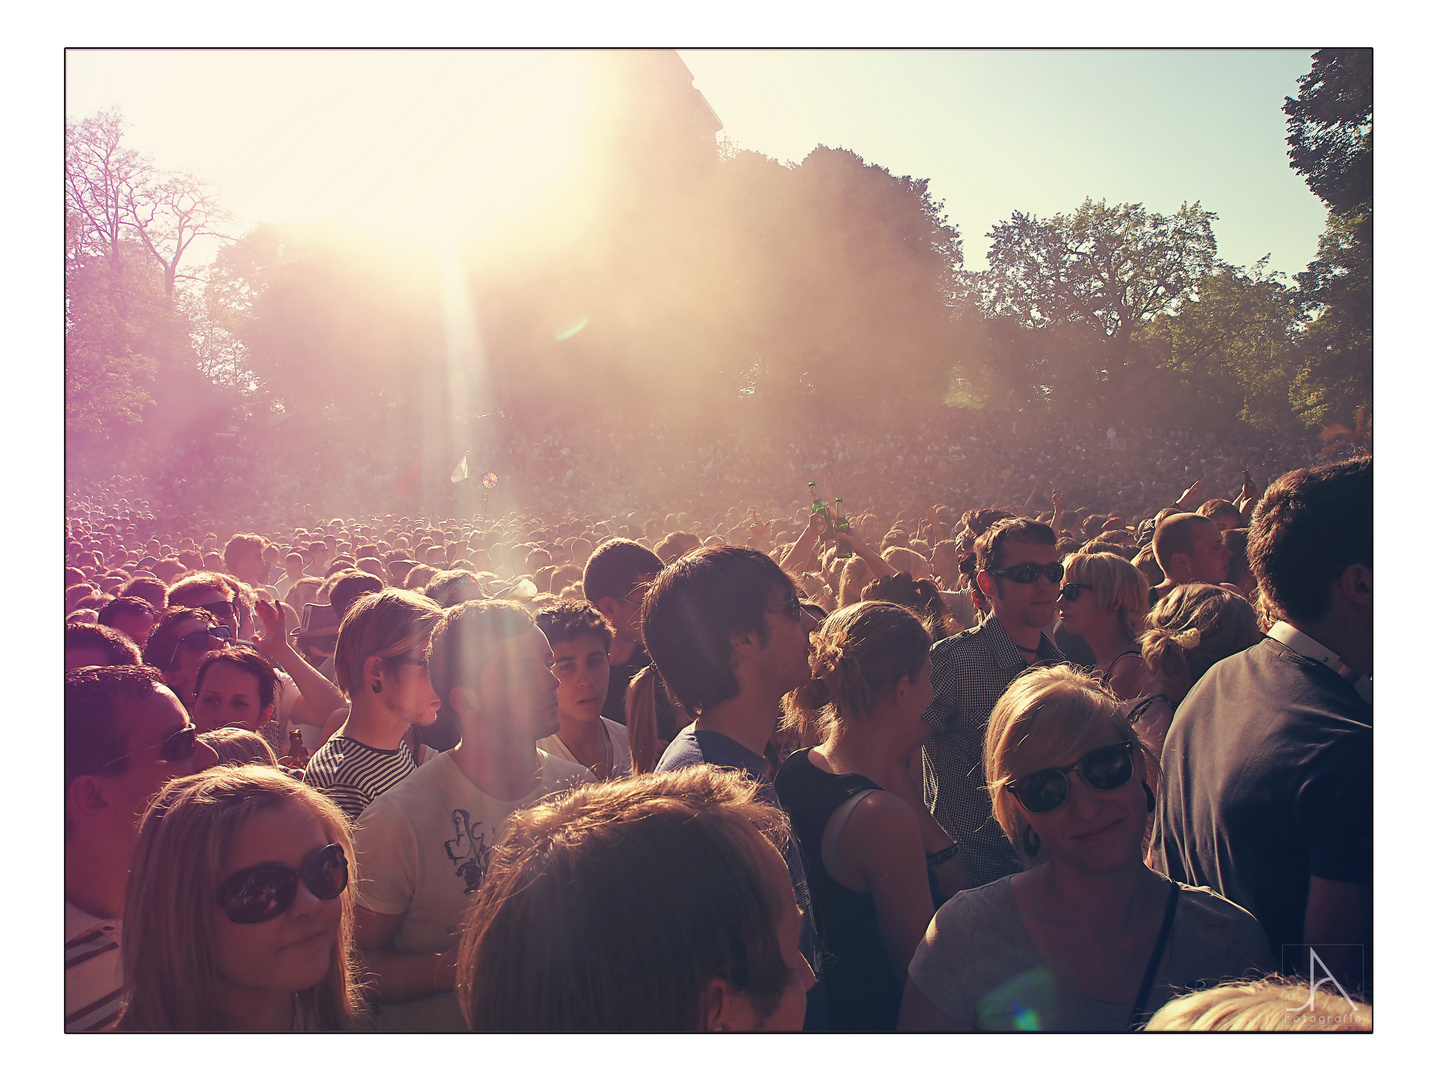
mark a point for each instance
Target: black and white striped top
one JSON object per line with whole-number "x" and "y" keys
{"x": 92, "y": 971}
{"x": 355, "y": 775}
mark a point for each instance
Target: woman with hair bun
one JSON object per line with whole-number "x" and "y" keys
{"x": 863, "y": 845}
{"x": 1192, "y": 628}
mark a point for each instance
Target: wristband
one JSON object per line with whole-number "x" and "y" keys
{"x": 942, "y": 856}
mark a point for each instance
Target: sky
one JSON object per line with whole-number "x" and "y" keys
{"x": 459, "y": 139}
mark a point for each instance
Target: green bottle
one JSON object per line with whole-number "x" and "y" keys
{"x": 817, "y": 504}
{"x": 842, "y": 530}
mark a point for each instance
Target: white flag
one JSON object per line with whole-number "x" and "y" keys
{"x": 462, "y": 471}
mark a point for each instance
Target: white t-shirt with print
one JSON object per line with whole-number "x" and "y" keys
{"x": 421, "y": 850}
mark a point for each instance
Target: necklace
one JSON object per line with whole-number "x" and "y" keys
{"x": 603, "y": 769}
{"x": 1022, "y": 648}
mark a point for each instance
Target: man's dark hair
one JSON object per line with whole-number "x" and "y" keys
{"x": 160, "y": 645}
{"x": 990, "y": 547}
{"x": 696, "y": 605}
{"x": 1221, "y": 509}
{"x": 347, "y": 586}
{"x": 570, "y": 619}
{"x": 615, "y": 566}
{"x": 124, "y": 605}
{"x": 1174, "y": 535}
{"x": 118, "y": 648}
{"x": 1309, "y": 526}
{"x": 181, "y": 592}
{"x": 238, "y": 544}
{"x": 94, "y": 699}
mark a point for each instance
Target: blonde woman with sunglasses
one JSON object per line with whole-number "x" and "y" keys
{"x": 238, "y": 914}
{"x": 1089, "y": 938}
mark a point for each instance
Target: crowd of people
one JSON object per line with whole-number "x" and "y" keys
{"x": 978, "y": 757}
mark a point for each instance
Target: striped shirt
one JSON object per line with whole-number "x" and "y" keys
{"x": 92, "y": 971}
{"x": 970, "y": 671}
{"x": 355, "y": 775}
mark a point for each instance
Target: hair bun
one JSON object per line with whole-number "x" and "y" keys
{"x": 813, "y": 695}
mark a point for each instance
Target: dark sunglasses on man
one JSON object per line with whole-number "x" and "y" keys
{"x": 1026, "y": 573}
{"x": 177, "y": 746}
{"x": 200, "y": 639}
{"x": 224, "y": 610}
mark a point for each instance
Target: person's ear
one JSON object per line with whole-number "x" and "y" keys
{"x": 744, "y": 645}
{"x": 464, "y": 700}
{"x": 266, "y": 713}
{"x": 725, "y": 1009}
{"x": 1357, "y": 585}
{"x": 985, "y": 581}
{"x": 612, "y": 607}
{"x": 87, "y": 797}
{"x": 374, "y": 671}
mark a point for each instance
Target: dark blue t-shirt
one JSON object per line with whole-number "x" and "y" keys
{"x": 691, "y": 747}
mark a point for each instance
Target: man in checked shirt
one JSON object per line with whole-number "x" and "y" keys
{"x": 1017, "y": 569}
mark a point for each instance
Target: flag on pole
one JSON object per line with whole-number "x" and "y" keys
{"x": 462, "y": 471}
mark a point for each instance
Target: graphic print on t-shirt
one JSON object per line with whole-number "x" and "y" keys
{"x": 468, "y": 850}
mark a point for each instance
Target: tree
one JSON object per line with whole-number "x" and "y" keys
{"x": 1088, "y": 281}
{"x": 1330, "y": 126}
{"x": 1234, "y": 347}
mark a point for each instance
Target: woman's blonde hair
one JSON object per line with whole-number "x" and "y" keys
{"x": 1044, "y": 717}
{"x": 239, "y": 746}
{"x": 1113, "y": 578}
{"x": 1269, "y": 1004}
{"x": 907, "y": 560}
{"x": 1191, "y": 628}
{"x": 170, "y": 915}
{"x": 861, "y": 652}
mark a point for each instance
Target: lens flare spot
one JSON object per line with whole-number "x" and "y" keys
{"x": 564, "y": 333}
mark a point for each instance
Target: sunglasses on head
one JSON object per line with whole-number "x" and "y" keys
{"x": 1026, "y": 572}
{"x": 260, "y": 893}
{"x": 1071, "y": 590}
{"x": 1105, "y": 769}
{"x": 199, "y": 639}
{"x": 177, "y": 746}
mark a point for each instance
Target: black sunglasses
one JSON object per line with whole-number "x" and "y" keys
{"x": 1071, "y": 590}
{"x": 199, "y": 639}
{"x": 177, "y": 746}
{"x": 790, "y": 607}
{"x": 1026, "y": 572}
{"x": 1105, "y": 769}
{"x": 221, "y": 609}
{"x": 261, "y": 893}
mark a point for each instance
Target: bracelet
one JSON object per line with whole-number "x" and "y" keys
{"x": 944, "y": 855}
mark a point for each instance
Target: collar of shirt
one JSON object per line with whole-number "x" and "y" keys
{"x": 1305, "y": 645}
{"x": 1008, "y": 655}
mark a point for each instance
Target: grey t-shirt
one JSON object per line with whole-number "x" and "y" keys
{"x": 978, "y": 966}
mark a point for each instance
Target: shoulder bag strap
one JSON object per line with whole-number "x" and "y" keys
{"x": 1155, "y": 954}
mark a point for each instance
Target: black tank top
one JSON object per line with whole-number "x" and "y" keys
{"x": 862, "y": 989}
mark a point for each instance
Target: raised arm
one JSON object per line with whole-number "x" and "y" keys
{"x": 798, "y": 557}
{"x": 319, "y": 697}
{"x": 878, "y": 566}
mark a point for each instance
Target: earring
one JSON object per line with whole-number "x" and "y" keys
{"x": 1030, "y": 841}
{"x": 1149, "y": 797}
{"x": 375, "y": 686}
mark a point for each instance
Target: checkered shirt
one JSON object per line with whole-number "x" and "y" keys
{"x": 970, "y": 671}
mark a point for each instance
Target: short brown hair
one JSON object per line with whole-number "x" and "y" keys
{"x": 387, "y": 624}
{"x": 611, "y": 908}
{"x": 990, "y": 547}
